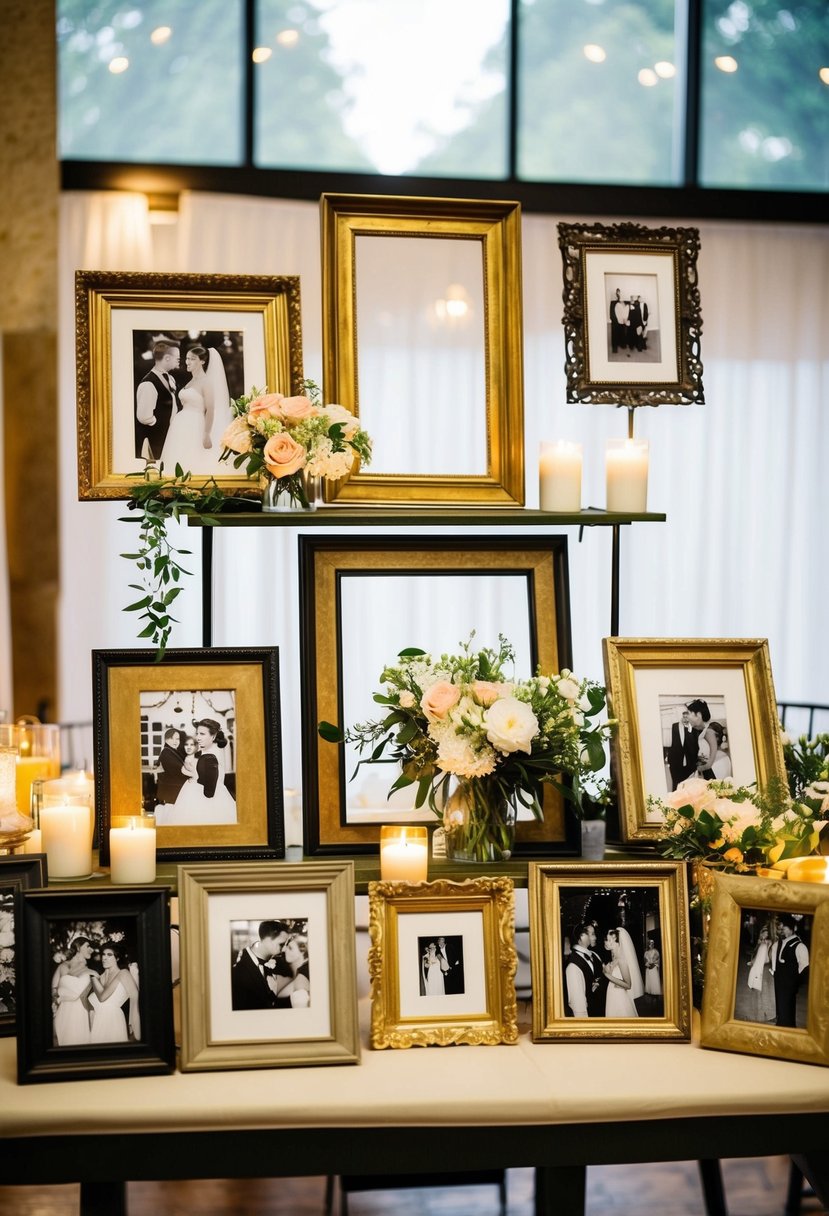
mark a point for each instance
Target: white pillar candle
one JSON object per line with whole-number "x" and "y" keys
{"x": 559, "y": 476}
{"x": 404, "y": 854}
{"x": 132, "y": 853}
{"x": 627, "y": 476}
{"x": 66, "y": 832}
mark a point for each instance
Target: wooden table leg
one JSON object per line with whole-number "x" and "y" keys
{"x": 103, "y": 1199}
{"x": 560, "y": 1190}
{"x": 816, "y": 1172}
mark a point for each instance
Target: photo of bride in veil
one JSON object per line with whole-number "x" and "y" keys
{"x": 193, "y": 440}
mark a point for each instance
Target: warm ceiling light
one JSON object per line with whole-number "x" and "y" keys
{"x": 596, "y": 54}
{"x": 160, "y": 35}
{"x": 119, "y": 64}
{"x": 726, "y": 63}
{"x": 647, "y": 77}
{"x": 664, "y": 69}
{"x": 261, "y": 54}
{"x": 288, "y": 37}
{"x": 824, "y": 75}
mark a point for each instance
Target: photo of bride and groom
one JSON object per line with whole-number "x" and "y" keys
{"x": 188, "y": 757}
{"x": 612, "y": 965}
{"x": 441, "y": 965}
{"x": 184, "y": 383}
{"x": 694, "y": 739}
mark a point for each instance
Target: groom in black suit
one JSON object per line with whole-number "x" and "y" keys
{"x": 452, "y": 967}
{"x": 249, "y": 986}
{"x": 684, "y": 749}
{"x": 156, "y": 401}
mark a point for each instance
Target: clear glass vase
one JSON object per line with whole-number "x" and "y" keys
{"x": 479, "y": 822}
{"x": 299, "y": 492}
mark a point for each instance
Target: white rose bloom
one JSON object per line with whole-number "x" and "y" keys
{"x": 511, "y": 725}
{"x": 569, "y": 689}
{"x": 407, "y": 699}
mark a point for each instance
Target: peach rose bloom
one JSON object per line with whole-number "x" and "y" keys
{"x": 296, "y": 409}
{"x": 283, "y": 455}
{"x": 268, "y": 406}
{"x": 693, "y": 792}
{"x": 439, "y": 699}
{"x": 237, "y": 436}
{"x": 486, "y": 692}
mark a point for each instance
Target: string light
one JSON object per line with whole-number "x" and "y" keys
{"x": 726, "y": 63}
{"x": 119, "y": 64}
{"x": 160, "y": 35}
{"x": 261, "y": 54}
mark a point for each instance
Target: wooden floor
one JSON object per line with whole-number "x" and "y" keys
{"x": 753, "y": 1188}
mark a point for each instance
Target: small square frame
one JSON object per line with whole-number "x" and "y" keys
{"x": 118, "y": 679}
{"x": 548, "y": 883}
{"x": 481, "y": 912}
{"x": 211, "y": 1038}
{"x": 719, "y": 1028}
{"x": 18, "y": 873}
{"x": 38, "y": 1057}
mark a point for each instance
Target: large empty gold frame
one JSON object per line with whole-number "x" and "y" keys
{"x": 495, "y": 228}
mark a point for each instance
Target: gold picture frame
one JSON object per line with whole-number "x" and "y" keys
{"x": 138, "y": 702}
{"x": 563, "y": 899}
{"x": 473, "y": 1000}
{"x": 650, "y": 683}
{"x": 223, "y": 1024}
{"x": 732, "y": 1019}
{"x": 530, "y": 574}
{"x": 650, "y": 354}
{"x": 401, "y": 241}
{"x": 252, "y": 321}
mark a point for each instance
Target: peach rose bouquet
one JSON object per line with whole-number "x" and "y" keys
{"x": 289, "y": 442}
{"x": 478, "y": 743}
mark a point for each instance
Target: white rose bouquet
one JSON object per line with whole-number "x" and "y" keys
{"x": 459, "y": 721}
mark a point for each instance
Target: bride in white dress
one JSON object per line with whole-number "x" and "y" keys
{"x": 623, "y": 974}
{"x": 193, "y": 438}
{"x": 112, "y": 989}
{"x": 204, "y": 798}
{"x": 71, "y": 985}
{"x": 433, "y": 980}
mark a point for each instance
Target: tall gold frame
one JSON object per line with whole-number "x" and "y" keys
{"x": 546, "y": 881}
{"x": 719, "y": 1028}
{"x": 624, "y": 656}
{"x": 99, "y": 295}
{"x": 496, "y": 226}
{"x": 201, "y": 1048}
{"x": 494, "y": 900}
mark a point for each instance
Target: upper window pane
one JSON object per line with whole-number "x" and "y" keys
{"x": 765, "y": 104}
{"x": 598, "y": 83}
{"x": 150, "y": 80}
{"x": 382, "y": 86}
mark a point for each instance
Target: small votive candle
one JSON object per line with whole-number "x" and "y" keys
{"x": 559, "y": 476}
{"x": 132, "y": 852}
{"x": 626, "y": 466}
{"x": 404, "y": 853}
{"x": 808, "y": 869}
{"x": 66, "y": 832}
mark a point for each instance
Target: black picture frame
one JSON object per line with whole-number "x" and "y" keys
{"x": 325, "y": 562}
{"x": 659, "y": 265}
{"x": 121, "y": 677}
{"x": 17, "y": 874}
{"x": 146, "y": 912}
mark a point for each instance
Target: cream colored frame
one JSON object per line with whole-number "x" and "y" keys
{"x": 550, "y": 1021}
{"x": 196, "y": 884}
{"x": 720, "y": 1029}
{"x": 622, "y": 658}
{"x": 494, "y": 899}
{"x": 496, "y": 226}
{"x": 98, "y": 294}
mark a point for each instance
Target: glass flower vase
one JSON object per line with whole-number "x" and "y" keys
{"x": 299, "y": 492}
{"x": 479, "y": 822}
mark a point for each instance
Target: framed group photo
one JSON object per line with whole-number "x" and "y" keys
{"x": 442, "y": 963}
{"x": 688, "y": 707}
{"x": 161, "y": 357}
{"x": 766, "y": 973}
{"x": 632, "y": 319}
{"x": 95, "y": 984}
{"x": 192, "y": 741}
{"x": 268, "y": 966}
{"x": 609, "y": 951}
{"x": 430, "y": 594}
{"x": 17, "y": 874}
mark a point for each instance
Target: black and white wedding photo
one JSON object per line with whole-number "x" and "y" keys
{"x": 612, "y": 956}
{"x": 8, "y": 974}
{"x": 694, "y": 738}
{"x": 441, "y": 965}
{"x": 269, "y": 964}
{"x": 633, "y": 318}
{"x": 188, "y": 756}
{"x": 184, "y": 383}
{"x": 94, "y": 982}
{"x": 773, "y": 971}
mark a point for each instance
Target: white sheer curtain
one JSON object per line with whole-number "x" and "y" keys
{"x": 742, "y": 478}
